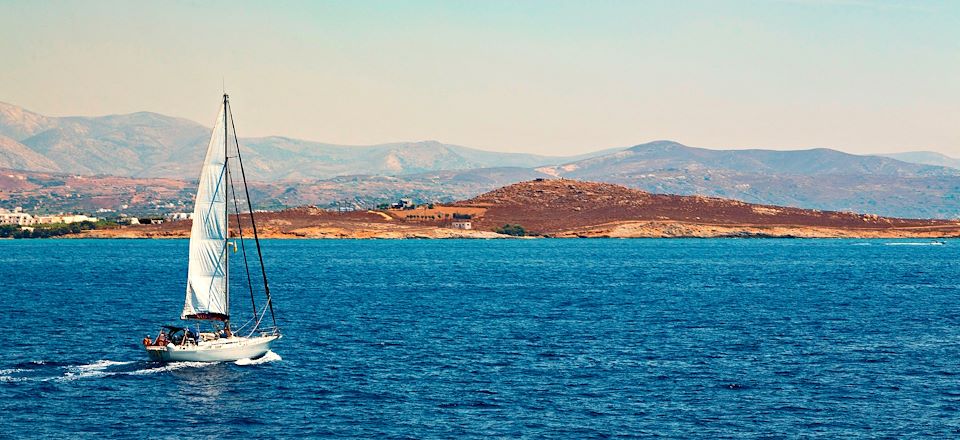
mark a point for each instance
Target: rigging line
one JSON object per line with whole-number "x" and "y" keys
{"x": 259, "y": 319}
{"x": 243, "y": 246}
{"x": 256, "y": 238}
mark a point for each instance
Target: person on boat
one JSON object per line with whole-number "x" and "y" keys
{"x": 146, "y": 341}
{"x": 192, "y": 335}
{"x": 162, "y": 339}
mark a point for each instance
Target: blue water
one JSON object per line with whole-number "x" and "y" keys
{"x": 538, "y": 338}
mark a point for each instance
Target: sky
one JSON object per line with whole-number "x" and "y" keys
{"x": 548, "y": 77}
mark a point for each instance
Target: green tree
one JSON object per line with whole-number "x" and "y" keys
{"x": 8, "y": 230}
{"x": 514, "y": 230}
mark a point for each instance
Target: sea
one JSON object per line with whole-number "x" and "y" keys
{"x": 545, "y": 338}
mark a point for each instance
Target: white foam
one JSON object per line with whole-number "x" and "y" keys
{"x": 170, "y": 367}
{"x": 98, "y": 369}
{"x": 270, "y": 356}
{"x": 73, "y": 375}
{"x": 12, "y": 379}
{"x": 98, "y": 365}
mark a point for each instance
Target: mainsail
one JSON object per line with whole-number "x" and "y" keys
{"x": 207, "y": 291}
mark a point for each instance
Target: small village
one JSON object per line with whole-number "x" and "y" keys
{"x": 20, "y": 223}
{"x": 20, "y": 218}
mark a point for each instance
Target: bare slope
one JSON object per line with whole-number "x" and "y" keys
{"x": 568, "y": 207}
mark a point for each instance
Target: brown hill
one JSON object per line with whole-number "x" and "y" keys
{"x": 305, "y": 222}
{"x": 569, "y": 208}
{"x": 574, "y": 208}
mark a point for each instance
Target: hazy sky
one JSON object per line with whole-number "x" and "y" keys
{"x": 549, "y": 77}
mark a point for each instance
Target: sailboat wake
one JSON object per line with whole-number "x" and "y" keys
{"x": 103, "y": 368}
{"x": 43, "y": 372}
{"x": 270, "y": 356}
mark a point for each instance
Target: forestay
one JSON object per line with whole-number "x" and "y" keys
{"x": 207, "y": 295}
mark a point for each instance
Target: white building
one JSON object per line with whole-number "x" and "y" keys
{"x": 68, "y": 218}
{"x": 461, "y": 224}
{"x": 16, "y": 217}
{"x": 77, "y": 218}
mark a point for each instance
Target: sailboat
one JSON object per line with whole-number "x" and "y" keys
{"x": 209, "y": 335}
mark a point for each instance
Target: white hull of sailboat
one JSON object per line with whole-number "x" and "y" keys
{"x": 220, "y": 350}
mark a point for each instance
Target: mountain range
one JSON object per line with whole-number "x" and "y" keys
{"x": 148, "y": 144}
{"x": 291, "y": 171}
{"x": 926, "y": 158}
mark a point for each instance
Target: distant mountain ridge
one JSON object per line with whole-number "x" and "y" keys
{"x": 148, "y": 144}
{"x": 663, "y": 155}
{"x": 294, "y": 171}
{"x": 818, "y": 178}
{"x": 926, "y": 158}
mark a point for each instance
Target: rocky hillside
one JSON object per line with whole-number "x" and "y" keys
{"x": 558, "y": 207}
{"x": 567, "y": 208}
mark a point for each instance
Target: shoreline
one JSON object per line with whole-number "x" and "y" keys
{"x": 627, "y": 229}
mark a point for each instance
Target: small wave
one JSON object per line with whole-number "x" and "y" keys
{"x": 71, "y": 375}
{"x": 269, "y": 356}
{"x": 38, "y": 363}
{"x": 913, "y": 243}
{"x": 12, "y": 379}
{"x": 8, "y": 375}
{"x": 102, "y": 364}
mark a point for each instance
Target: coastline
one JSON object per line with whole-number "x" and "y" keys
{"x": 625, "y": 229}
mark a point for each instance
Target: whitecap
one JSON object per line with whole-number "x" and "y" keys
{"x": 170, "y": 367}
{"x": 100, "y": 365}
{"x": 99, "y": 369}
{"x": 74, "y": 375}
{"x": 12, "y": 379}
{"x": 270, "y": 356}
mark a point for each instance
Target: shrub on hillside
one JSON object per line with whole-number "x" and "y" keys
{"x": 514, "y": 230}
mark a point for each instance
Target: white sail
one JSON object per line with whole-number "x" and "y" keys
{"x": 207, "y": 292}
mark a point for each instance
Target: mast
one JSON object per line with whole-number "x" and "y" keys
{"x": 226, "y": 212}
